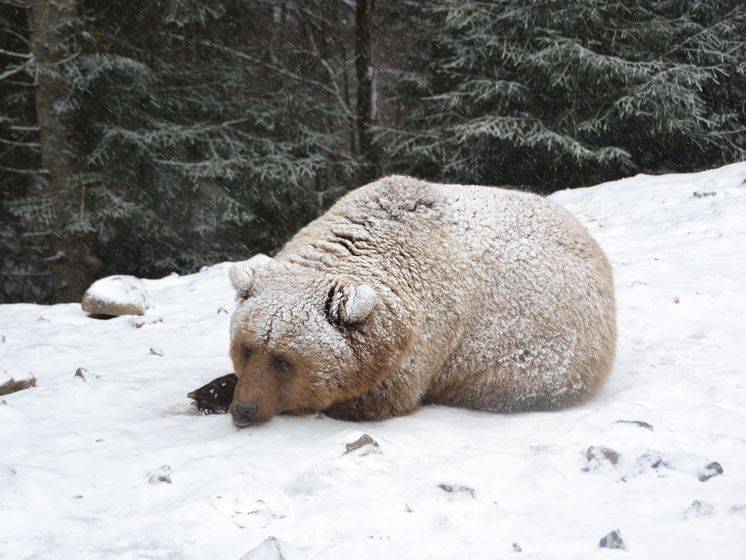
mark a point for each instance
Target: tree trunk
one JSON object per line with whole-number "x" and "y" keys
{"x": 73, "y": 262}
{"x": 366, "y": 83}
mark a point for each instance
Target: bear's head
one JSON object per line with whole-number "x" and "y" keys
{"x": 303, "y": 340}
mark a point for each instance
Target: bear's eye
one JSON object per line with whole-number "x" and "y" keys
{"x": 281, "y": 364}
{"x": 246, "y": 352}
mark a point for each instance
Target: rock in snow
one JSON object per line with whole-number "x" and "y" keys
{"x": 161, "y": 475}
{"x": 598, "y": 455}
{"x": 698, "y": 508}
{"x": 710, "y": 470}
{"x": 116, "y": 295}
{"x": 457, "y": 489}
{"x": 613, "y": 540}
{"x": 85, "y": 375}
{"x": 273, "y": 548}
{"x": 363, "y": 441}
{"x": 14, "y": 379}
{"x": 639, "y": 423}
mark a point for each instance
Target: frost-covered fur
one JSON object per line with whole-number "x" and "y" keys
{"x": 406, "y": 293}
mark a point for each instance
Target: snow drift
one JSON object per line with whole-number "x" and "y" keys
{"x": 115, "y": 462}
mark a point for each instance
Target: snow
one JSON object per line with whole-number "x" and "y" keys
{"x": 78, "y": 457}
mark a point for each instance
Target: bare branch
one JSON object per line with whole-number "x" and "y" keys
{"x": 19, "y": 55}
{"x": 24, "y": 171}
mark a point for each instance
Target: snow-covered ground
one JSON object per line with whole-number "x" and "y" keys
{"x": 77, "y": 454}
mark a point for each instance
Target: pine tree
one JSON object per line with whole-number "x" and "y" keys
{"x": 209, "y": 131}
{"x": 557, "y": 94}
{"x": 207, "y": 146}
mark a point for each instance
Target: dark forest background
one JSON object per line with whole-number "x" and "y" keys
{"x": 145, "y": 137}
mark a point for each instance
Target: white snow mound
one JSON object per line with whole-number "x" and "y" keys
{"x": 76, "y": 457}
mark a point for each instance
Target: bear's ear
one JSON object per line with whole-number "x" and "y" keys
{"x": 349, "y": 302}
{"x": 242, "y": 274}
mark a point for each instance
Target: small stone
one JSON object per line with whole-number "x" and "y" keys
{"x": 3, "y": 339}
{"x": 161, "y": 475}
{"x": 15, "y": 379}
{"x": 703, "y": 194}
{"x": 639, "y": 423}
{"x": 613, "y": 540}
{"x": 699, "y": 508}
{"x": 710, "y": 470}
{"x": 598, "y": 454}
{"x": 156, "y": 351}
{"x": 676, "y": 300}
{"x": 451, "y": 489}
{"x": 652, "y": 460}
{"x": 363, "y": 441}
{"x": 85, "y": 375}
{"x": 517, "y": 547}
{"x": 114, "y": 296}
{"x": 78, "y": 496}
{"x": 140, "y": 322}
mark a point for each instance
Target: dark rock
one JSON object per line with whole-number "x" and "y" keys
{"x": 156, "y": 351}
{"x": 710, "y": 470}
{"x": 162, "y": 475}
{"x": 613, "y": 540}
{"x": 451, "y": 489}
{"x": 639, "y": 423}
{"x": 363, "y": 441}
{"x": 216, "y": 396}
{"x": 517, "y": 547}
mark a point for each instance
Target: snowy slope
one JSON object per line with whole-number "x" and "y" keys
{"x": 76, "y": 455}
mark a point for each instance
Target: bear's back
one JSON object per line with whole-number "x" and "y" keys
{"x": 401, "y": 225}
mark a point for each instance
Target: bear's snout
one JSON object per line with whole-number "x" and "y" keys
{"x": 243, "y": 413}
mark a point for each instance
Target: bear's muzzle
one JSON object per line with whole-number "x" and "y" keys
{"x": 243, "y": 413}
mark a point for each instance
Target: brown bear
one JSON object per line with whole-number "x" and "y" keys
{"x": 407, "y": 293}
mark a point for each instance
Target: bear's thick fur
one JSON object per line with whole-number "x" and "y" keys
{"x": 406, "y": 293}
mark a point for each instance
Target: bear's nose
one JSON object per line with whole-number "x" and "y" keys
{"x": 243, "y": 413}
